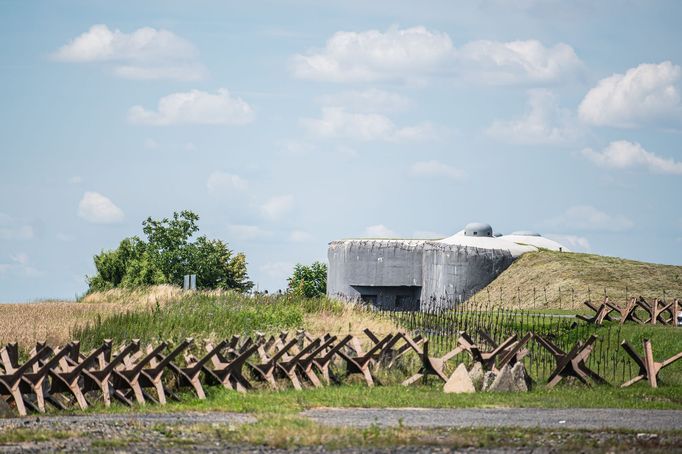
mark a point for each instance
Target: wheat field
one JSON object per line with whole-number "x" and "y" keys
{"x": 54, "y": 320}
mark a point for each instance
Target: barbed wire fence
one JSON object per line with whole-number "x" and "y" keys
{"x": 441, "y": 321}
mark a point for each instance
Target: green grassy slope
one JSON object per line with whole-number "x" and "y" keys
{"x": 548, "y": 279}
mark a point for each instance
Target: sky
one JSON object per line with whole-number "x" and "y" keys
{"x": 288, "y": 124}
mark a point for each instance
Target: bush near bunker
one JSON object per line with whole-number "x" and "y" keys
{"x": 309, "y": 281}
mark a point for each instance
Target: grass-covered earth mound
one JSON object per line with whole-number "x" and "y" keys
{"x": 563, "y": 280}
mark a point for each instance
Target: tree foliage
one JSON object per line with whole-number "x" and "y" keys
{"x": 167, "y": 255}
{"x": 309, "y": 281}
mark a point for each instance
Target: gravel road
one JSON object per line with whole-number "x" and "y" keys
{"x": 571, "y": 418}
{"x": 177, "y": 432}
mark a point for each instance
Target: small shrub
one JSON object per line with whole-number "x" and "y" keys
{"x": 309, "y": 281}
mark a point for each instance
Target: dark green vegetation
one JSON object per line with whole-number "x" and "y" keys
{"x": 548, "y": 279}
{"x": 309, "y": 281}
{"x": 167, "y": 255}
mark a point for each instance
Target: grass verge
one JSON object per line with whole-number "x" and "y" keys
{"x": 22, "y": 435}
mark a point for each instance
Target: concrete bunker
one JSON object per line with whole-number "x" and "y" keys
{"x": 424, "y": 274}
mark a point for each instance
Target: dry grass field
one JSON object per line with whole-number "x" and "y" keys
{"x": 53, "y": 320}
{"x": 351, "y": 320}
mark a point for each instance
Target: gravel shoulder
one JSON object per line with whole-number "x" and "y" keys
{"x": 75, "y": 421}
{"x": 572, "y": 418}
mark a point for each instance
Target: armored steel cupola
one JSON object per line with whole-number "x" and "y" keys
{"x": 478, "y": 229}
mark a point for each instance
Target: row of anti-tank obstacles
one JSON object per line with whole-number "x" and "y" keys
{"x": 636, "y": 309}
{"x": 63, "y": 377}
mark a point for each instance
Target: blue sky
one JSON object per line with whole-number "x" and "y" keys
{"x": 286, "y": 125}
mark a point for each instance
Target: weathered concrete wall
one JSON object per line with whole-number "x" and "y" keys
{"x": 372, "y": 263}
{"x": 393, "y": 274}
{"x": 452, "y": 273}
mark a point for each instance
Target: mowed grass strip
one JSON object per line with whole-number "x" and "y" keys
{"x": 431, "y": 395}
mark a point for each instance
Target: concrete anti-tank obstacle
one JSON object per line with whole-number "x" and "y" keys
{"x": 459, "y": 382}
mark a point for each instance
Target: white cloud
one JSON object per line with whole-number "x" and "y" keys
{"x": 374, "y": 55}
{"x": 642, "y": 95}
{"x": 13, "y": 229}
{"x": 195, "y": 107}
{"x": 585, "y": 217}
{"x": 98, "y": 209}
{"x": 300, "y": 236}
{"x": 435, "y": 169}
{"x": 146, "y": 53}
{"x": 247, "y": 232}
{"x": 276, "y": 207}
{"x": 544, "y": 123}
{"x": 371, "y": 100}
{"x": 415, "y": 54}
{"x": 501, "y": 63}
{"x": 627, "y": 155}
{"x": 380, "y": 231}
{"x": 337, "y": 123}
{"x": 223, "y": 184}
{"x": 573, "y": 242}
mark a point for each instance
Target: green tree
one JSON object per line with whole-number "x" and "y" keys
{"x": 216, "y": 266}
{"x": 168, "y": 244}
{"x": 309, "y": 281}
{"x": 168, "y": 254}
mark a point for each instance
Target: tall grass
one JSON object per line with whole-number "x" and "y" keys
{"x": 205, "y": 315}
